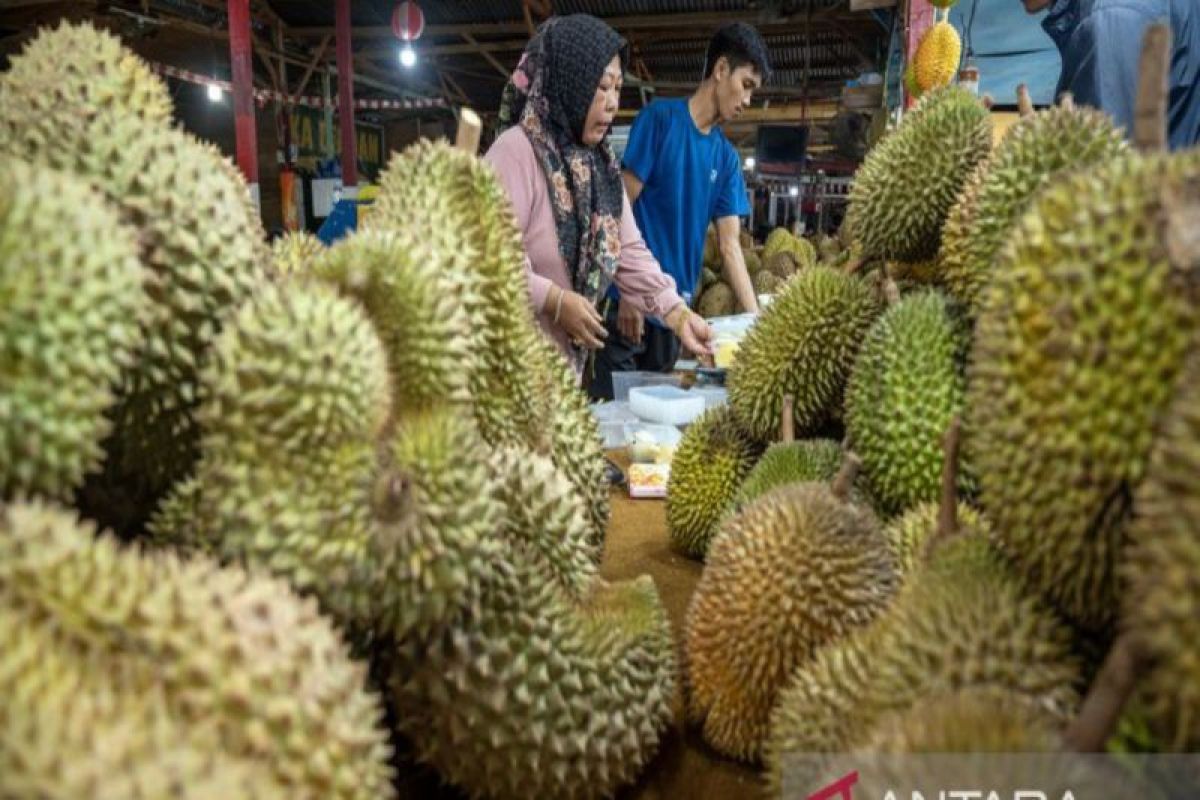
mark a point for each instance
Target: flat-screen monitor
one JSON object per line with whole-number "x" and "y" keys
{"x": 780, "y": 146}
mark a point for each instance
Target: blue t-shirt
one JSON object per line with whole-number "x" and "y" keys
{"x": 688, "y": 179}
{"x": 1100, "y": 42}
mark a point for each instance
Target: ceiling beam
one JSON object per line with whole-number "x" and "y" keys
{"x": 693, "y": 19}
{"x": 491, "y": 59}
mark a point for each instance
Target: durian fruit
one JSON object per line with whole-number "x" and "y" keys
{"x": 534, "y": 695}
{"x": 544, "y": 514}
{"x": 804, "y": 252}
{"x": 707, "y": 278}
{"x": 454, "y": 202}
{"x": 240, "y": 664}
{"x": 71, "y": 285}
{"x": 828, "y": 247}
{"x": 718, "y": 300}
{"x": 709, "y": 465}
{"x": 778, "y": 240}
{"x": 788, "y": 462}
{"x": 753, "y": 263}
{"x": 918, "y": 274}
{"x": 1081, "y": 338}
{"x": 803, "y": 344}
{"x": 910, "y": 179}
{"x": 291, "y": 478}
{"x": 959, "y": 622}
{"x": 798, "y": 568}
{"x": 92, "y": 70}
{"x": 1032, "y": 154}
{"x": 766, "y": 282}
{"x": 72, "y": 730}
{"x": 910, "y": 533}
{"x": 199, "y": 236}
{"x": 907, "y": 384}
{"x": 295, "y": 253}
{"x": 783, "y": 264}
{"x": 1161, "y": 565}
{"x": 746, "y": 240}
{"x": 936, "y": 62}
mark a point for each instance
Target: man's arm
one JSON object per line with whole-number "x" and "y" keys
{"x": 736, "y": 274}
{"x": 633, "y": 186}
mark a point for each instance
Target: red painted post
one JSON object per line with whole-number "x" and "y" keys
{"x": 345, "y": 69}
{"x": 919, "y": 16}
{"x": 242, "y": 58}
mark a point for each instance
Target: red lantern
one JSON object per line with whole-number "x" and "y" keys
{"x": 408, "y": 21}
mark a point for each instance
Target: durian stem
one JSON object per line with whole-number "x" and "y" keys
{"x": 854, "y": 265}
{"x": 891, "y": 292}
{"x": 948, "y": 512}
{"x": 1150, "y": 110}
{"x": 1024, "y": 101}
{"x": 469, "y": 129}
{"x": 1066, "y": 102}
{"x": 787, "y": 421}
{"x": 844, "y": 480}
{"x": 1181, "y": 206}
{"x": 1109, "y": 693}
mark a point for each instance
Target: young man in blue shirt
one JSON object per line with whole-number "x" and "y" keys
{"x": 1100, "y": 42}
{"x": 681, "y": 173}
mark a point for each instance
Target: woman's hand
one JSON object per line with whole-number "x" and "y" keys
{"x": 693, "y": 332}
{"x": 577, "y": 317}
{"x": 629, "y": 321}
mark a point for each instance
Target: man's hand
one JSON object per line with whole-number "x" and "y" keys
{"x": 630, "y": 321}
{"x": 693, "y": 332}
{"x": 581, "y": 320}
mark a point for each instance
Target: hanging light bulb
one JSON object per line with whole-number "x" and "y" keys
{"x": 408, "y": 56}
{"x": 214, "y": 93}
{"x": 750, "y": 162}
{"x": 794, "y": 190}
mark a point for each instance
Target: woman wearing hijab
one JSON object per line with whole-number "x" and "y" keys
{"x": 554, "y": 161}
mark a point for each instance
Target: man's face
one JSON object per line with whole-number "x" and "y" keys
{"x": 735, "y": 88}
{"x": 1035, "y": 6}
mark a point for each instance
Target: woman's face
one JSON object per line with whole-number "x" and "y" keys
{"x": 604, "y": 105}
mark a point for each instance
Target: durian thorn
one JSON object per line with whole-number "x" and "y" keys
{"x": 1024, "y": 101}
{"x": 948, "y": 511}
{"x": 1066, "y": 102}
{"x": 787, "y": 421}
{"x": 1150, "y": 109}
{"x": 844, "y": 480}
{"x": 1125, "y": 663}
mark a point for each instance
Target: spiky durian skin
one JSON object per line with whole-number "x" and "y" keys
{"x": 936, "y": 62}
{"x": 778, "y": 240}
{"x": 71, "y": 729}
{"x": 200, "y": 242}
{"x": 1031, "y": 155}
{"x": 415, "y": 292}
{"x": 707, "y": 278}
{"x": 910, "y": 532}
{"x": 222, "y": 651}
{"x": 86, "y": 68}
{"x": 546, "y": 515}
{"x": 910, "y": 179}
{"x": 804, "y": 343}
{"x": 386, "y": 541}
{"x": 754, "y": 264}
{"x": 961, "y": 621}
{"x": 709, "y": 465}
{"x": 783, "y": 264}
{"x": 907, "y": 384}
{"x": 718, "y": 300}
{"x": 766, "y": 282}
{"x": 295, "y": 253}
{"x": 796, "y": 569}
{"x": 531, "y": 694}
{"x": 788, "y": 462}
{"x": 72, "y": 302}
{"x": 1162, "y": 562}
{"x": 446, "y": 196}
{"x": 910, "y": 81}
{"x": 1079, "y": 343}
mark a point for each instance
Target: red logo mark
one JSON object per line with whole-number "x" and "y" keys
{"x": 839, "y": 788}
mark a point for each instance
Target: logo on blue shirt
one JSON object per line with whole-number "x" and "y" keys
{"x": 712, "y": 176}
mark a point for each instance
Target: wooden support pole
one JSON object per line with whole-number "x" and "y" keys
{"x": 240, "y": 52}
{"x": 345, "y": 66}
{"x": 312, "y": 65}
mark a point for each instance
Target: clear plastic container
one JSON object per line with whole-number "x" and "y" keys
{"x": 612, "y": 419}
{"x": 668, "y": 405}
{"x": 624, "y": 381}
{"x": 647, "y": 443}
{"x": 714, "y": 396}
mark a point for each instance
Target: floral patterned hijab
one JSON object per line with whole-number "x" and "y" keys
{"x": 549, "y": 95}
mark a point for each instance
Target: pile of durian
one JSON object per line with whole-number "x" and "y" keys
{"x": 953, "y": 504}
{"x": 339, "y": 481}
{"x": 769, "y": 267}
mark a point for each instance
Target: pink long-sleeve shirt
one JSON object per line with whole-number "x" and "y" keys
{"x": 639, "y": 277}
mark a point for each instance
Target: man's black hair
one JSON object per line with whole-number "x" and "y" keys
{"x": 740, "y": 44}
